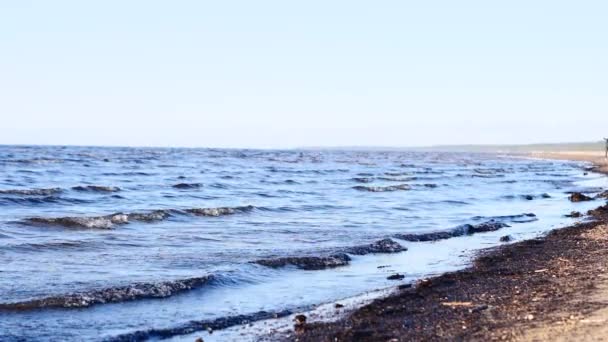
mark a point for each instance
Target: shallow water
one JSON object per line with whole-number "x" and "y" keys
{"x": 129, "y": 227}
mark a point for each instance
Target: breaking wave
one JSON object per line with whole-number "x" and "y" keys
{"x": 194, "y": 326}
{"x": 96, "y": 188}
{"x": 111, "y": 295}
{"x": 32, "y": 192}
{"x": 94, "y": 222}
{"x": 112, "y": 220}
{"x": 307, "y": 262}
{"x": 51, "y": 245}
{"x": 382, "y": 188}
{"x": 334, "y": 260}
{"x": 495, "y": 223}
{"x": 219, "y": 211}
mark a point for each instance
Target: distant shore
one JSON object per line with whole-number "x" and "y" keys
{"x": 596, "y": 157}
{"x": 550, "y": 288}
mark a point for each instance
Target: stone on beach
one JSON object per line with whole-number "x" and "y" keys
{"x": 506, "y": 238}
{"x": 579, "y": 197}
{"x": 574, "y": 214}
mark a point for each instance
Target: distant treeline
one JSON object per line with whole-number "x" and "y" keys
{"x": 553, "y": 147}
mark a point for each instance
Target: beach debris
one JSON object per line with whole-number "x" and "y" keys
{"x": 529, "y": 317}
{"x": 578, "y": 197}
{"x": 396, "y": 276}
{"x": 599, "y": 211}
{"x": 338, "y": 306}
{"x": 545, "y": 195}
{"x": 300, "y": 320}
{"x": 200, "y": 339}
{"x": 479, "y": 308}
{"x": 506, "y": 238}
{"x": 423, "y": 283}
{"x": 457, "y": 304}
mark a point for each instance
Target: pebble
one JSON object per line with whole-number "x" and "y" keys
{"x": 300, "y": 320}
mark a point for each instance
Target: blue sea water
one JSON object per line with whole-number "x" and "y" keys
{"x": 138, "y": 243}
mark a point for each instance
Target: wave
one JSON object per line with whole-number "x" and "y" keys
{"x": 111, "y": 295}
{"x": 381, "y": 246}
{"x": 130, "y": 173}
{"x": 110, "y": 221}
{"x": 429, "y": 172}
{"x": 90, "y": 222}
{"x": 96, "y": 188}
{"x": 426, "y": 185}
{"x": 279, "y": 182}
{"x": 156, "y": 215}
{"x": 382, "y": 188}
{"x": 363, "y": 179}
{"x": 32, "y": 192}
{"x": 396, "y": 174}
{"x": 51, "y": 245}
{"x": 307, "y": 262}
{"x": 33, "y": 161}
{"x": 467, "y": 229}
{"x": 489, "y": 171}
{"x": 32, "y": 200}
{"x": 398, "y": 179}
{"x": 219, "y": 211}
{"x": 491, "y": 224}
{"x": 334, "y": 260}
{"x": 185, "y": 186}
{"x": 202, "y": 325}
{"x": 520, "y": 218}
{"x": 526, "y": 197}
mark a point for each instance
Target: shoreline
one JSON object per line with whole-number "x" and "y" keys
{"x": 553, "y": 287}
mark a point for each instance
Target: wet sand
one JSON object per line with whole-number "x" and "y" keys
{"x": 551, "y": 288}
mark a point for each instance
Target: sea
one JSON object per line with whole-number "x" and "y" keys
{"x": 129, "y": 244}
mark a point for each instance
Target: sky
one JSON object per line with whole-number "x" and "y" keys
{"x": 282, "y": 74}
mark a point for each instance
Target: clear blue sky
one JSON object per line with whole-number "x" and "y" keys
{"x": 286, "y": 73}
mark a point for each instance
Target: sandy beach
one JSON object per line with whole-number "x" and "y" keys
{"x": 550, "y": 288}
